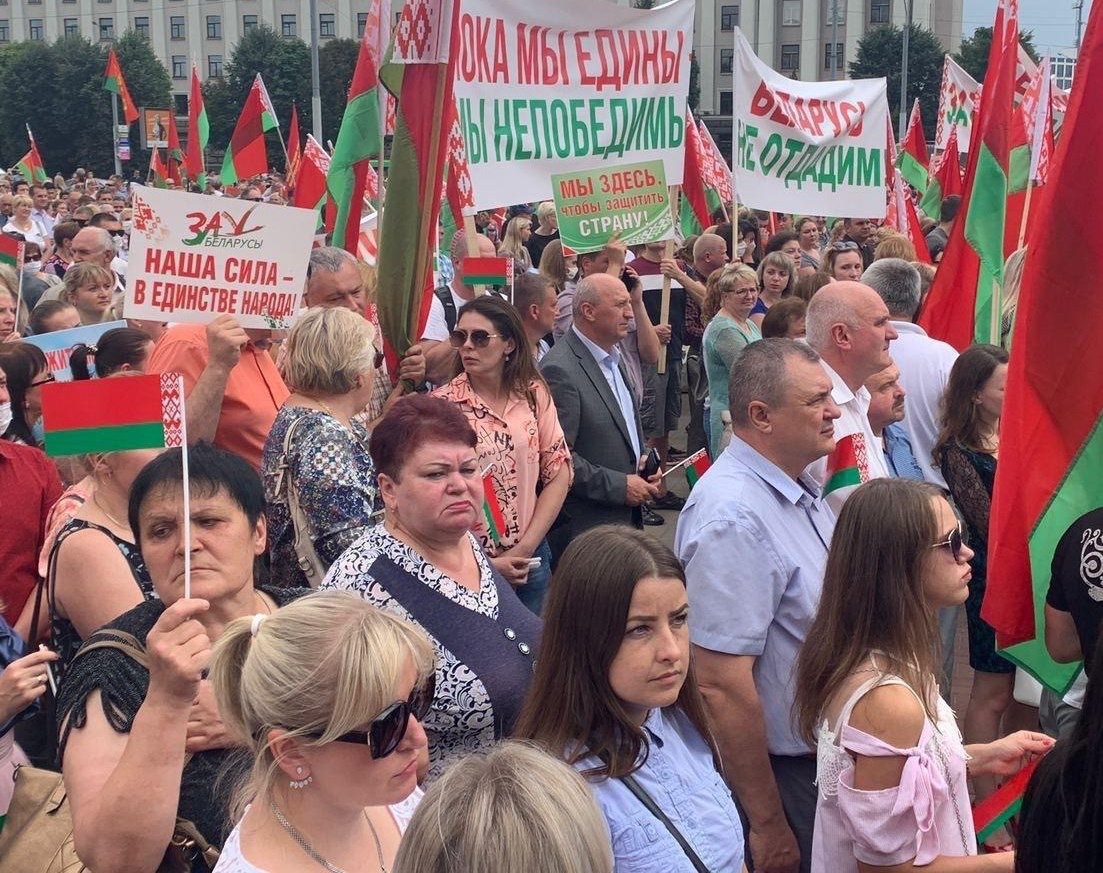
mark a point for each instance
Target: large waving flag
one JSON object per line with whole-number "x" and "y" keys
{"x": 693, "y": 216}
{"x": 963, "y": 306}
{"x": 359, "y": 139}
{"x": 420, "y": 70}
{"x": 459, "y": 192}
{"x": 294, "y": 150}
{"x": 716, "y": 172}
{"x": 115, "y": 83}
{"x": 957, "y": 102}
{"x": 310, "y": 187}
{"x": 945, "y": 179}
{"x": 1051, "y": 440}
{"x": 247, "y": 154}
{"x": 199, "y": 132}
{"x": 913, "y": 159}
{"x": 30, "y": 166}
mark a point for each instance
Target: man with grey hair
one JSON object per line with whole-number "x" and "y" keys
{"x": 848, "y": 325}
{"x": 333, "y": 281}
{"x": 753, "y": 539}
{"x": 924, "y": 363}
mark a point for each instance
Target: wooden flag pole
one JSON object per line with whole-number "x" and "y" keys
{"x": 664, "y": 305}
{"x": 472, "y": 237}
{"x": 1026, "y": 212}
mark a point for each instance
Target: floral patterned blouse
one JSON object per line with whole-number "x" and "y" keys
{"x": 523, "y": 448}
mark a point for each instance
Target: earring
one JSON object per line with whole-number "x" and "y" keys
{"x": 300, "y": 782}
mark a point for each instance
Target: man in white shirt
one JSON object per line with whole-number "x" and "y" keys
{"x": 39, "y": 215}
{"x": 848, "y": 325}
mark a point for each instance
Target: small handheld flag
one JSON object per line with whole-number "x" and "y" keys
{"x": 846, "y": 465}
{"x": 1002, "y": 804}
{"x": 487, "y": 271}
{"x": 492, "y": 510}
{"x": 697, "y": 465}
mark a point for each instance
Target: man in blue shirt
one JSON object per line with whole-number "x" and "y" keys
{"x": 753, "y": 538}
{"x": 886, "y": 411}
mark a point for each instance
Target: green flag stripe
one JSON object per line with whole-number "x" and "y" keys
{"x": 931, "y": 204}
{"x": 914, "y": 173}
{"x": 114, "y": 438}
{"x": 842, "y": 479}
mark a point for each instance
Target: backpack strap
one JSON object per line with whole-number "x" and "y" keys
{"x": 444, "y": 295}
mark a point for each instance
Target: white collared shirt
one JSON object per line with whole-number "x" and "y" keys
{"x": 609, "y": 362}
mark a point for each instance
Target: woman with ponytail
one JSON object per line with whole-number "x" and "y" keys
{"x": 328, "y": 692}
{"x": 119, "y": 350}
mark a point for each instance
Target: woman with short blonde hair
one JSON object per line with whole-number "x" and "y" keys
{"x": 327, "y": 694}
{"x": 513, "y": 810}
{"x": 319, "y": 480}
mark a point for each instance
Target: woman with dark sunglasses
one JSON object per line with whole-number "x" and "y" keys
{"x": 891, "y": 764}
{"x": 520, "y": 441}
{"x": 330, "y": 693}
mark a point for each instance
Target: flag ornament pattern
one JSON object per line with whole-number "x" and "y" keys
{"x": 113, "y": 415}
{"x": 493, "y": 516}
{"x": 697, "y": 465}
{"x": 114, "y": 82}
{"x": 11, "y": 252}
{"x": 848, "y": 464}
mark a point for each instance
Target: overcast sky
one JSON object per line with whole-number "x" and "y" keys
{"x": 1053, "y": 22}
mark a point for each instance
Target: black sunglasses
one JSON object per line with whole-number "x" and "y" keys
{"x": 480, "y": 339}
{"x": 387, "y": 731}
{"x": 45, "y": 380}
{"x": 954, "y": 542}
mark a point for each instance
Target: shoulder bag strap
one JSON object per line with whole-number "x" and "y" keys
{"x": 634, "y": 786}
{"x": 444, "y": 295}
{"x": 311, "y": 564}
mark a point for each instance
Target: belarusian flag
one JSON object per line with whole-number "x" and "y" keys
{"x": 458, "y": 188}
{"x": 113, "y": 415}
{"x": 963, "y": 306}
{"x": 11, "y": 252}
{"x": 493, "y": 517}
{"x": 912, "y": 161}
{"x": 359, "y": 138}
{"x": 158, "y": 173}
{"x": 1051, "y": 440}
{"x": 294, "y": 150}
{"x": 693, "y": 216}
{"x": 957, "y": 100}
{"x": 175, "y": 155}
{"x": 1005, "y": 802}
{"x": 247, "y": 154}
{"x": 1040, "y": 123}
{"x": 116, "y": 84}
{"x": 697, "y": 465}
{"x": 420, "y": 70}
{"x": 487, "y": 271}
{"x": 715, "y": 170}
{"x": 310, "y": 191}
{"x": 847, "y": 466}
{"x": 945, "y": 179}
{"x": 902, "y": 215}
{"x": 199, "y": 131}
{"x": 30, "y": 165}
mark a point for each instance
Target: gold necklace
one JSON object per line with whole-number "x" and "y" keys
{"x": 110, "y": 517}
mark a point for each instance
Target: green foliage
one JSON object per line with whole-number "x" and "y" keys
{"x": 879, "y": 54}
{"x": 973, "y": 55}
{"x": 694, "y": 82}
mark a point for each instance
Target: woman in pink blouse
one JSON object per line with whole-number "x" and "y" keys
{"x": 520, "y": 442}
{"x": 891, "y": 764}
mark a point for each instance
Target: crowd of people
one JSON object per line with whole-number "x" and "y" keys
{"x": 421, "y": 626}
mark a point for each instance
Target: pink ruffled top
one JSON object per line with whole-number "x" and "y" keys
{"x": 925, "y": 816}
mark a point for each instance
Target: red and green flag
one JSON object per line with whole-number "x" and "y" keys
{"x": 847, "y": 466}
{"x": 487, "y": 271}
{"x": 913, "y": 160}
{"x": 116, "y": 84}
{"x": 113, "y": 415}
{"x": 158, "y": 172}
{"x": 30, "y": 166}
{"x": 310, "y": 187}
{"x": 247, "y": 154}
{"x": 998, "y": 808}
{"x": 945, "y": 179}
{"x": 294, "y": 150}
{"x": 1051, "y": 432}
{"x": 719, "y": 186}
{"x": 11, "y": 252}
{"x": 693, "y": 215}
{"x": 199, "y": 132}
{"x": 697, "y": 465}
{"x": 359, "y": 138}
{"x": 458, "y": 188}
{"x": 493, "y": 517}
{"x": 963, "y": 306}
{"x": 420, "y": 71}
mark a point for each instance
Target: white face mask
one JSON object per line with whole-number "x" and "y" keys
{"x": 32, "y": 266}
{"x": 5, "y": 417}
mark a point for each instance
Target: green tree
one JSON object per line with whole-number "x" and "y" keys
{"x": 336, "y": 64}
{"x": 879, "y": 54}
{"x": 694, "y": 82}
{"x": 148, "y": 82}
{"x": 973, "y": 55}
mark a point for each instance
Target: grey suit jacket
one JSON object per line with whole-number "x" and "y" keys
{"x": 598, "y": 436}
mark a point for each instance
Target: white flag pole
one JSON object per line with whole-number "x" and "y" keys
{"x": 186, "y": 481}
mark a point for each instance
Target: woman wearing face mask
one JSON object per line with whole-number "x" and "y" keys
{"x": 329, "y": 693}
{"x": 25, "y": 366}
{"x": 615, "y": 696}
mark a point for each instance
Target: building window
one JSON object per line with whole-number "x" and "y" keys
{"x": 833, "y": 57}
{"x": 248, "y": 22}
{"x": 725, "y": 102}
{"x": 879, "y": 12}
{"x": 361, "y": 24}
{"x": 214, "y": 66}
{"x": 107, "y": 29}
{"x": 5, "y": 30}
{"x": 287, "y": 25}
{"x": 327, "y": 25}
{"x": 790, "y": 12}
{"x": 726, "y": 60}
{"x": 790, "y": 57}
{"x": 214, "y": 27}
{"x": 34, "y": 29}
{"x": 729, "y": 17}
{"x": 179, "y": 66}
{"x": 176, "y": 26}
{"x": 836, "y": 13}
{"x": 141, "y": 25}
{"x": 34, "y": 2}
{"x": 72, "y": 27}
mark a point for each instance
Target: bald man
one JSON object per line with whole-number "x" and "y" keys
{"x": 848, "y": 325}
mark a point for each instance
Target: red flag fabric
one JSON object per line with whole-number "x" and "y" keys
{"x": 1051, "y": 441}
{"x": 115, "y": 82}
{"x": 460, "y": 193}
{"x": 694, "y": 216}
{"x": 247, "y": 154}
{"x": 310, "y": 187}
{"x": 948, "y": 172}
{"x": 198, "y": 132}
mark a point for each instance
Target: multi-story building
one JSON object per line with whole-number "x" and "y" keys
{"x": 1062, "y": 67}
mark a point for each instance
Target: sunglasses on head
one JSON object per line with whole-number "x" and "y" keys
{"x": 955, "y": 541}
{"x": 386, "y": 732}
{"x": 480, "y": 339}
{"x": 845, "y": 246}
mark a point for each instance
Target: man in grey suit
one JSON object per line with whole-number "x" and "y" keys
{"x": 598, "y": 413}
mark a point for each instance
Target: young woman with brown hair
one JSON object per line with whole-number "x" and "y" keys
{"x": 615, "y": 696}
{"x": 891, "y": 764}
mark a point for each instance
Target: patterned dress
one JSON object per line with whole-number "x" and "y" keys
{"x": 331, "y": 470}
